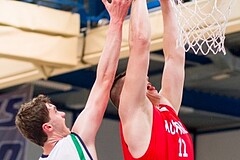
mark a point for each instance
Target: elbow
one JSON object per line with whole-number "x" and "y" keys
{"x": 139, "y": 38}
{"x": 140, "y": 41}
{"x": 177, "y": 54}
{"x": 105, "y": 80}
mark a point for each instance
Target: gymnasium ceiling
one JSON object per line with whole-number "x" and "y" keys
{"x": 212, "y": 88}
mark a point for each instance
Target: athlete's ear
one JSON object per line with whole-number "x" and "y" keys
{"x": 47, "y": 127}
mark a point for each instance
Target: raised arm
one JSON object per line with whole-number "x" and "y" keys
{"x": 89, "y": 121}
{"x": 134, "y": 93}
{"x": 173, "y": 73}
{"x": 134, "y": 110}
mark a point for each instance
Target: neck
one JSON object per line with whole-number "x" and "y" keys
{"x": 48, "y": 146}
{"x": 155, "y": 99}
{"x": 51, "y": 142}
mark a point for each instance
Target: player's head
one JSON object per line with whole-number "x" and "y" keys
{"x": 116, "y": 90}
{"x": 37, "y": 118}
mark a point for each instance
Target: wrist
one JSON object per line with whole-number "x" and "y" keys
{"x": 118, "y": 22}
{"x": 115, "y": 24}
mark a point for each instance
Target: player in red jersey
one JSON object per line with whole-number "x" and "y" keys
{"x": 150, "y": 127}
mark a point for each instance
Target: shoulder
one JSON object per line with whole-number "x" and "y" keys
{"x": 168, "y": 108}
{"x": 70, "y": 147}
{"x": 164, "y": 102}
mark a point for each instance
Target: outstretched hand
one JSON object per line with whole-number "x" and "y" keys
{"x": 117, "y": 9}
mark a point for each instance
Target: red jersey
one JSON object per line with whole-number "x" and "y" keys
{"x": 169, "y": 138}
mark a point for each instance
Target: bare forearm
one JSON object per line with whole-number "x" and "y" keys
{"x": 139, "y": 43}
{"x": 170, "y": 33}
{"x": 109, "y": 59}
{"x": 173, "y": 73}
{"x": 140, "y": 30}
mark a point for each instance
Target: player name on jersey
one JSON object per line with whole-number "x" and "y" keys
{"x": 173, "y": 127}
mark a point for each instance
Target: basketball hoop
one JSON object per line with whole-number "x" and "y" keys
{"x": 202, "y": 25}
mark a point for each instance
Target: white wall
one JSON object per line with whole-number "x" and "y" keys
{"x": 224, "y": 145}
{"x": 33, "y": 152}
{"x": 108, "y": 141}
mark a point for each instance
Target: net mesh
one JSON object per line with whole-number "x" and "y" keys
{"x": 202, "y": 25}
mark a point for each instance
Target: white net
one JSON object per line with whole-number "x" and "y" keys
{"x": 202, "y": 25}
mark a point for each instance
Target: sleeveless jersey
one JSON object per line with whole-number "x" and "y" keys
{"x": 169, "y": 138}
{"x": 70, "y": 147}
